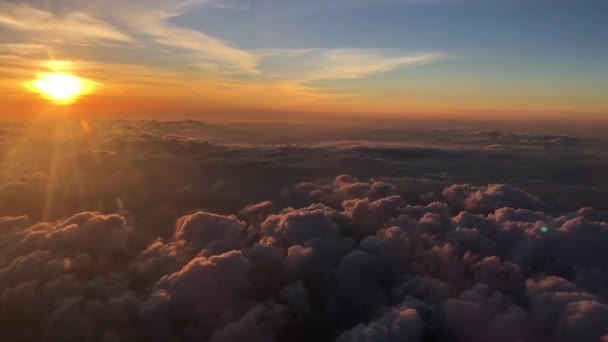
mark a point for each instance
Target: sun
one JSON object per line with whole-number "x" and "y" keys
{"x": 58, "y": 87}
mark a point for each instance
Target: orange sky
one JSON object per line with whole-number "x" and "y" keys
{"x": 144, "y": 60}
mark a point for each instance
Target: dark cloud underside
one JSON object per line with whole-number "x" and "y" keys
{"x": 133, "y": 232}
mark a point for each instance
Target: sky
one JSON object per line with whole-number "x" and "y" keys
{"x": 169, "y": 59}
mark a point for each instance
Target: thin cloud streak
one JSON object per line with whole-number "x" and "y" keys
{"x": 74, "y": 26}
{"x": 307, "y": 65}
{"x": 152, "y": 19}
{"x": 180, "y": 63}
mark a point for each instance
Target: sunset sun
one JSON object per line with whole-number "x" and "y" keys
{"x": 60, "y": 88}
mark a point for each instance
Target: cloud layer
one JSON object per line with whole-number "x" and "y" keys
{"x": 137, "y": 233}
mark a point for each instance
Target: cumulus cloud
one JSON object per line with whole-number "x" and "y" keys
{"x": 398, "y": 325}
{"x": 490, "y": 198}
{"x": 291, "y": 258}
{"x": 213, "y": 233}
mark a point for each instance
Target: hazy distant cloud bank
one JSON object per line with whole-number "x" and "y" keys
{"x": 137, "y": 235}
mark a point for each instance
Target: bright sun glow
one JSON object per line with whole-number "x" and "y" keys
{"x": 62, "y": 88}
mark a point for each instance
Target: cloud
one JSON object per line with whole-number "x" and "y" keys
{"x": 276, "y": 244}
{"x": 73, "y": 26}
{"x": 345, "y": 64}
{"x": 214, "y": 233}
{"x": 150, "y": 22}
{"x": 294, "y": 7}
{"x": 398, "y": 325}
{"x": 497, "y": 318}
{"x": 340, "y": 64}
{"x": 164, "y": 60}
{"x": 487, "y": 199}
{"x": 22, "y": 49}
{"x": 152, "y": 19}
{"x": 80, "y": 22}
{"x": 222, "y": 276}
{"x": 258, "y": 325}
{"x": 208, "y": 51}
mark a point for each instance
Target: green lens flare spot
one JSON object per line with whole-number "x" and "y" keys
{"x": 544, "y": 229}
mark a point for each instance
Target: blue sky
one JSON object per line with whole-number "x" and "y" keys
{"x": 454, "y": 25}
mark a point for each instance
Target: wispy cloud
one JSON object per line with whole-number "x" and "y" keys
{"x": 73, "y": 26}
{"x": 152, "y": 54}
{"x": 70, "y": 22}
{"x": 22, "y": 49}
{"x": 149, "y": 26}
{"x": 278, "y": 8}
{"x": 307, "y": 65}
{"x": 206, "y": 48}
{"x": 152, "y": 21}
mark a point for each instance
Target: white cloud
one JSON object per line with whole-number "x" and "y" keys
{"x": 147, "y": 27}
{"x": 75, "y": 21}
{"x": 206, "y": 48}
{"x": 306, "y": 65}
{"x": 152, "y": 18}
{"x": 73, "y": 26}
{"x": 22, "y": 49}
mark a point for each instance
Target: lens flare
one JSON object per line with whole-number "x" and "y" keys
{"x": 60, "y": 88}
